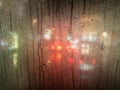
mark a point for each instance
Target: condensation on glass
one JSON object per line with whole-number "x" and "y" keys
{"x": 59, "y": 45}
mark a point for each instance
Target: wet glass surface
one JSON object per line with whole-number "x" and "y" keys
{"x": 59, "y": 45}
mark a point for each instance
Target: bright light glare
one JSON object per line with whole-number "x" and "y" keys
{"x": 86, "y": 67}
{"x": 59, "y": 47}
{"x": 104, "y": 34}
{"x": 85, "y": 49}
{"x": 90, "y": 38}
{"x": 48, "y": 34}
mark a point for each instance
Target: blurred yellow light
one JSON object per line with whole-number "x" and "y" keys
{"x": 104, "y": 34}
{"x": 15, "y": 56}
{"x": 34, "y": 21}
{"x": 15, "y": 43}
{"x": 59, "y": 47}
{"x": 59, "y": 56}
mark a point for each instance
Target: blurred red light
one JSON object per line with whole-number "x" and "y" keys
{"x": 70, "y": 48}
{"x": 81, "y": 62}
{"x": 52, "y": 47}
{"x": 71, "y": 61}
{"x": 52, "y": 56}
{"x": 93, "y": 61}
{"x": 56, "y": 42}
{"x": 59, "y": 56}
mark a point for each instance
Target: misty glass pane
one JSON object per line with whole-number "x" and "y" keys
{"x": 59, "y": 45}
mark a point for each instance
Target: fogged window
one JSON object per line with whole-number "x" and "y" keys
{"x": 59, "y": 45}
